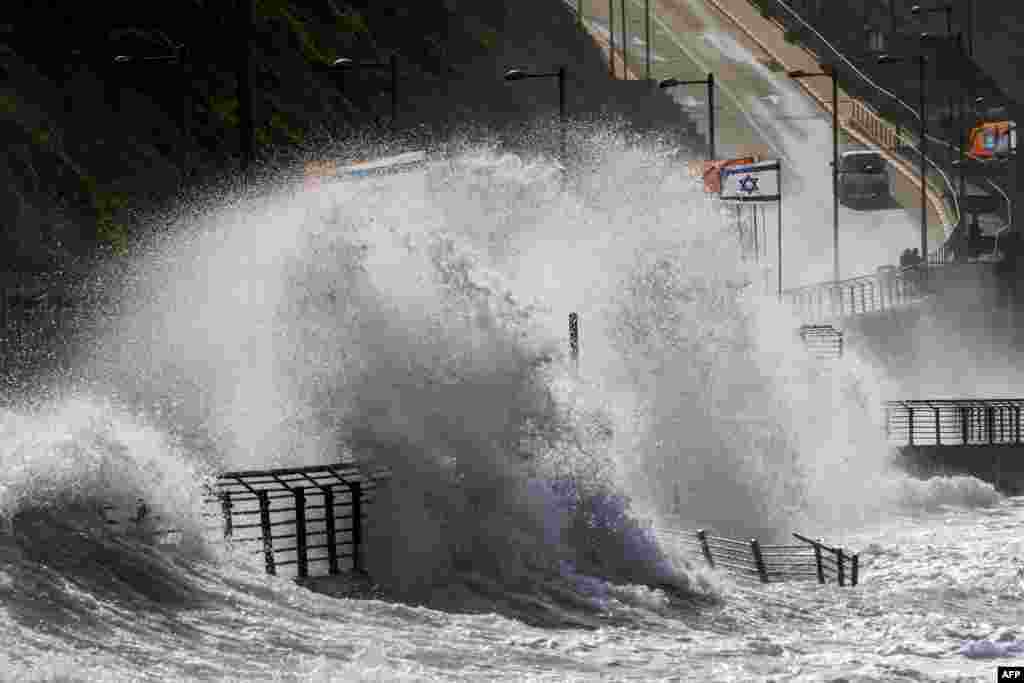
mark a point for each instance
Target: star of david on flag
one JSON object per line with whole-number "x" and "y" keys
{"x": 751, "y": 182}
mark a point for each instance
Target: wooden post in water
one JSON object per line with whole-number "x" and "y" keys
{"x": 301, "y": 553}
{"x": 265, "y": 530}
{"x": 357, "y": 522}
{"x": 703, "y": 538}
{"x": 817, "y": 561}
{"x": 839, "y": 565}
{"x": 330, "y": 530}
{"x": 755, "y": 549}
{"x": 225, "y": 507}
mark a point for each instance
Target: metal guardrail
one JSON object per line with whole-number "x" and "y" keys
{"x": 319, "y": 510}
{"x": 808, "y": 561}
{"x": 856, "y": 296}
{"x": 822, "y": 341}
{"x": 956, "y": 422}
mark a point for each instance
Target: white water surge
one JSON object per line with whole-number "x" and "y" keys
{"x": 418, "y": 321}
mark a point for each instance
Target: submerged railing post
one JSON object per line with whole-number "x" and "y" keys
{"x": 938, "y": 430}
{"x": 964, "y": 427}
{"x": 265, "y": 530}
{"x": 301, "y": 554}
{"x": 817, "y": 562}
{"x": 839, "y": 565}
{"x": 703, "y": 538}
{"x": 990, "y": 415}
{"x": 854, "y": 566}
{"x": 755, "y": 548}
{"x": 357, "y": 523}
{"x": 225, "y": 507}
{"x": 331, "y": 531}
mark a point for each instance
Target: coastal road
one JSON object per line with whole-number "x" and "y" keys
{"x": 762, "y": 111}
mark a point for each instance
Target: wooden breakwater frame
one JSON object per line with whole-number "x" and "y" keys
{"x": 321, "y": 510}
{"x": 809, "y": 560}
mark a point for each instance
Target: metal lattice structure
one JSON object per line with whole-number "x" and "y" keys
{"x": 309, "y": 517}
{"x": 954, "y": 422}
{"x": 810, "y": 560}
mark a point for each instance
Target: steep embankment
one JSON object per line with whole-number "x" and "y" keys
{"x": 88, "y": 142}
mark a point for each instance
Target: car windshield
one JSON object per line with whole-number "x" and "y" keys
{"x": 863, "y": 163}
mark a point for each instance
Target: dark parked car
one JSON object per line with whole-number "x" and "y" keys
{"x": 863, "y": 178}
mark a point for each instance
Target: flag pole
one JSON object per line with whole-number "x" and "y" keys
{"x": 779, "y": 212}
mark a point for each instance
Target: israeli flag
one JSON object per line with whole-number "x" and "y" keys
{"x": 751, "y": 182}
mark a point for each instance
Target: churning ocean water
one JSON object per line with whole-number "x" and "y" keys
{"x": 418, "y": 321}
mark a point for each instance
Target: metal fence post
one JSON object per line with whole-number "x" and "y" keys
{"x": 854, "y": 567}
{"x": 301, "y": 554}
{"x": 265, "y": 530}
{"x": 357, "y": 522}
{"x": 755, "y": 548}
{"x": 330, "y": 529}
{"x": 839, "y": 565}
{"x": 703, "y": 538}
{"x": 817, "y": 561}
{"x": 225, "y": 507}
{"x": 910, "y": 426}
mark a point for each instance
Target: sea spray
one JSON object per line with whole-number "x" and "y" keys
{"x": 417, "y": 321}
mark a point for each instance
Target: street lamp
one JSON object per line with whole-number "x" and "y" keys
{"x": 178, "y": 57}
{"x": 917, "y": 10}
{"x": 391, "y": 64}
{"x": 923, "y": 114}
{"x": 828, "y": 71}
{"x": 948, "y": 9}
{"x": 928, "y": 37}
{"x": 710, "y": 81}
{"x": 522, "y": 75}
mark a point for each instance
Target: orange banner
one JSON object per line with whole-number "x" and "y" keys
{"x": 712, "y": 171}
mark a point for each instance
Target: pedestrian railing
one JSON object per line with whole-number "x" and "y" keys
{"x": 856, "y": 296}
{"x": 307, "y": 517}
{"x": 963, "y": 422}
{"x": 822, "y": 341}
{"x": 808, "y": 560}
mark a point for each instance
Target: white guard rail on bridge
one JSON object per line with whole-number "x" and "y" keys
{"x": 881, "y": 291}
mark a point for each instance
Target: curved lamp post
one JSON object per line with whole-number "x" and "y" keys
{"x": 710, "y": 82}
{"x": 343, "y": 63}
{"x": 179, "y": 57}
{"x": 921, "y": 61}
{"x": 522, "y": 75}
{"x": 829, "y": 72}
